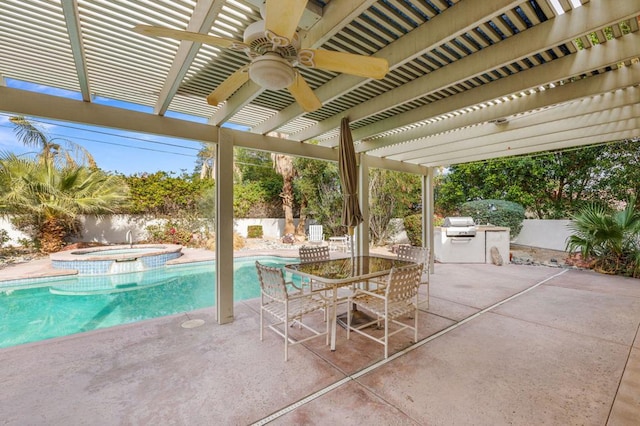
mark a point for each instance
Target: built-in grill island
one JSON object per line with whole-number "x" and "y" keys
{"x": 460, "y": 240}
{"x": 459, "y": 226}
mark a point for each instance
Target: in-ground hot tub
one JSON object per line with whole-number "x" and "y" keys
{"x": 116, "y": 259}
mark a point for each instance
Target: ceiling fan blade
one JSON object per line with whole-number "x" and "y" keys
{"x": 282, "y": 17}
{"x": 348, "y": 63}
{"x": 150, "y": 30}
{"x": 227, "y": 87}
{"x": 304, "y": 95}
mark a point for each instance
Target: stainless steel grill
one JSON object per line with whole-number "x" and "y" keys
{"x": 461, "y": 226}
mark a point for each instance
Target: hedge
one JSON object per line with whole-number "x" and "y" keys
{"x": 495, "y": 212}
{"x": 254, "y": 231}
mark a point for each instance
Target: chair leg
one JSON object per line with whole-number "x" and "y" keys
{"x": 348, "y": 320}
{"x": 428, "y": 285}
{"x": 415, "y": 325}
{"x": 261, "y": 323}
{"x": 386, "y": 335}
{"x": 286, "y": 334}
{"x": 326, "y": 324}
{"x": 426, "y": 301}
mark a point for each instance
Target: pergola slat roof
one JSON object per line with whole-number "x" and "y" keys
{"x": 468, "y": 80}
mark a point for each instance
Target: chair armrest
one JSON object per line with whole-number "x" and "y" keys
{"x": 308, "y": 295}
{"x": 368, "y": 293}
{"x": 290, "y": 283}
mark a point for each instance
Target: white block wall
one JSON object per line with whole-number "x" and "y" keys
{"x": 549, "y": 234}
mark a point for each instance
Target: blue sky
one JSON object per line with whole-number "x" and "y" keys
{"x": 114, "y": 150}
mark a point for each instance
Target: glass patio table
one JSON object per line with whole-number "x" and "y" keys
{"x": 335, "y": 273}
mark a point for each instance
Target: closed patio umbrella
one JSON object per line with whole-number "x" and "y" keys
{"x": 351, "y": 214}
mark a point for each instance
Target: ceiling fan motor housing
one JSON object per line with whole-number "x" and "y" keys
{"x": 257, "y": 38}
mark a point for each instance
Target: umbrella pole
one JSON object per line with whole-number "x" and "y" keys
{"x": 357, "y": 317}
{"x": 351, "y": 242}
{"x": 354, "y": 307}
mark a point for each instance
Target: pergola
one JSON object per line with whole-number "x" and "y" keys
{"x": 468, "y": 80}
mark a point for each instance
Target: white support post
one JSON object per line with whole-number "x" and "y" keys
{"x": 224, "y": 227}
{"x": 427, "y": 217}
{"x": 362, "y": 232}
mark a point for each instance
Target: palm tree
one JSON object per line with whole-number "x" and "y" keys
{"x": 611, "y": 239}
{"x": 71, "y": 154}
{"x": 283, "y": 165}
{"x": 44, "y": 200}
{"x": 206, "y": 161}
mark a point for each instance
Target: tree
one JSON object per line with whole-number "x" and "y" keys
{"x": 391, "y": 194}
{"x": 549, "y": 185}
{"x": 205, "y": 163}
{"x": 163, "y": 194}
{"x": 45, "y": 200}
{"x": 257, "y": 185}
{"x": 69, "y": 154}
{"x": 572, "y": 176}
{"x": 46, "y": 193}
{"x": 522, "y": 180}
{"x": 256, "y": 166}
{"x": 318, "y": 190}
{"x": 283, "y": 165}
{"x": 620, "y": 172}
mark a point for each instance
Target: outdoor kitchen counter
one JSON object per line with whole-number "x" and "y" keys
{"x": 492, "y": 228}
{"x": 476, "y": 249}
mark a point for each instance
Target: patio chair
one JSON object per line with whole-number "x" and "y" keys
{"x": 348, "y": 241}
{"x": 417, "y": 254}
{"x": 287, "y": 304}
{"x": 400, "y": 298}
{"x": 313, "y": 254}
{"x": 316, "y": 235}
{"x": 338, "y": 243}
{"x": 413, "y": 254}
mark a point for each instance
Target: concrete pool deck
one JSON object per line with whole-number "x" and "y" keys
{"x": 499, "y": 345}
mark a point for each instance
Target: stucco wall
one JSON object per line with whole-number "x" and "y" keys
{"x": 549, "y": 234}
{"x": 271, "y": 228}
{"x": 13, "y": 233}
{"x": 113, "y": 229}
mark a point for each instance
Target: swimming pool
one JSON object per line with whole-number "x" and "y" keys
{"x": 45, "y": 308}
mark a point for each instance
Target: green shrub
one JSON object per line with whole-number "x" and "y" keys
{"x": 251, "y": 198}
{"x": 608, "y": 240}
{"x": 254, "y": 231}
{"x": 4, "y": 237}
{"x": 413, "y": 228}
{"x": 169, "y": 233}
{"x": 495, "y": 212}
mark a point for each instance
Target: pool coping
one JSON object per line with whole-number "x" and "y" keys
{"x": 85, "y": 253}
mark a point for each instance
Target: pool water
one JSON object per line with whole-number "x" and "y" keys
{"x": 50, "y": 308}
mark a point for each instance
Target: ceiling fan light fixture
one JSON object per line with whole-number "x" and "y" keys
{"x": 272, "y": 72}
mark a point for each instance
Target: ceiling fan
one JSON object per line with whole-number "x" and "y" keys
{"x": 273, "y": 46}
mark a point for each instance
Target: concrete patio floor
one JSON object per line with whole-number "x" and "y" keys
{"x": 523, "y": 345}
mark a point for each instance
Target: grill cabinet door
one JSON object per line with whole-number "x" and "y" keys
{"x": 459, "y": 249}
